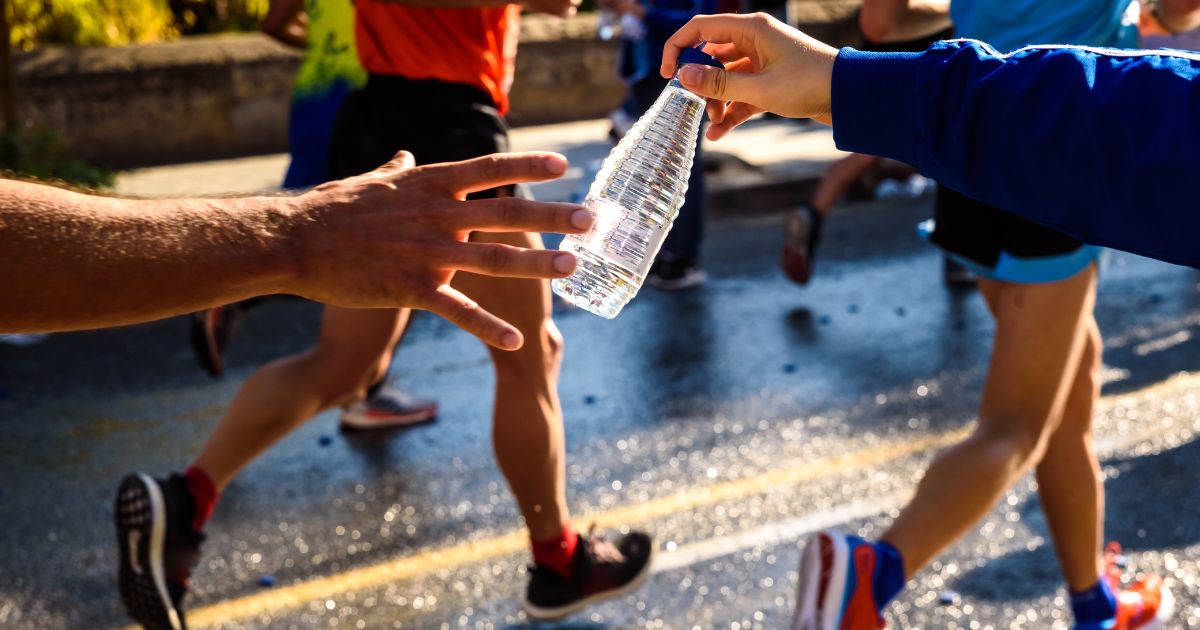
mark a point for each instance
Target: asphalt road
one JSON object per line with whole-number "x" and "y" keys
{"x": 730, "y": 421}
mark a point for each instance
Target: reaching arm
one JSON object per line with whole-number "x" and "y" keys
{"x": 1049, "y": 133}
{"x": 75, "y": 261}
{"x": 886, "y": 21}
{"x": 1043, "y": 132}
{"x": 392, "y": 237}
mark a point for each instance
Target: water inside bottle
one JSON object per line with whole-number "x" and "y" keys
{"x": 635, "y": 197}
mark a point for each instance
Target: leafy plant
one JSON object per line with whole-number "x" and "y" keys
{"x": 90, "y": 22}
{"x": 120, "y": 22}
{"x": 39, "y": 154}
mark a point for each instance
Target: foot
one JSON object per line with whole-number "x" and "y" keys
{"x": 835, "y": 590}
{"x": 212, "y": 330}
{"x": 1143, "y": 603}
{"x": 955, "y": 275}
{"x": 388, "y": 407}
{"x": 600, "y": 570}
{"x": 802, "y": 234}
{"x": 158, "y": 548}
{"x": 675, "y": 275}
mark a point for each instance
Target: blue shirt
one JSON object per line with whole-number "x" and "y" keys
{"x": 1101, "y": 145}
{"x": 1011, "y": 24}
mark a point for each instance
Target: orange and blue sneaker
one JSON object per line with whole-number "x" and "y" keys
{"x": 1142, "y": 602}
{"x": 845, "y": 582}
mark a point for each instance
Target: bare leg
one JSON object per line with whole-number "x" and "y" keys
{"x": 351, "y": 354}
{"x": 527, "y": 429}
{"x": 1069, "y": 483}
{"x": 1041, "y": 331}
{"x": 838, "y": 178}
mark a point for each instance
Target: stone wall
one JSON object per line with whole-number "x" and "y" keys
{"x": 225, "y": 96}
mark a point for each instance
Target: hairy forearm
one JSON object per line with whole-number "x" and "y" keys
{"x": 73, "y": 261}
{"x": 884, "y": 21}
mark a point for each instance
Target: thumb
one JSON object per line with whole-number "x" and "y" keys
{"x": 716, "y": 83}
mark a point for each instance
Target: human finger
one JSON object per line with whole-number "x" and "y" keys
{"x": 504, "y": 261}
{"x": 512, "y": 214}
{"x": 468, "y": 315}
{"x": 498, "y": 169}
{"x": 718, "y": 83}
{"x": 725, "y": 53}
{"x": 738, "y": 30}
{"x": 735, "y": 114}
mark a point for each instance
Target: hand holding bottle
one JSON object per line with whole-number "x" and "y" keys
{"x": 768, "y": 67}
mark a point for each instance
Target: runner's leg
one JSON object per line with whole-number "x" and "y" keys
{"x": 352, "y": 353}
{"x": 527, "y": 425}
{"x": 1069, "y": 483}
{"x": 1041, "y": 332}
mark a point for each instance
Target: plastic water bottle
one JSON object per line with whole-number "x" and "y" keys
{"x": 635, "y": 198}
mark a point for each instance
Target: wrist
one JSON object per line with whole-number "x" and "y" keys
{"x": 282, "y": 223}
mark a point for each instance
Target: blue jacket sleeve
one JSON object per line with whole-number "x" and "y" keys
{"x": 1102, "y": 145}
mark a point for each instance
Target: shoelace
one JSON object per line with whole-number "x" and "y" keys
{"x": 603, "y": 551}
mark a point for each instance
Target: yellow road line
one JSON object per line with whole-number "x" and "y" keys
{"x": 448, "y": 558}
{"x": 297, "y": 595}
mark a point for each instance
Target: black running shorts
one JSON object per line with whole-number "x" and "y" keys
{"x": 434, "y": 120}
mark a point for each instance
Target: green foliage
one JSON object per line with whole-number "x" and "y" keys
{"x": 38, "y": 154}
{"x": 118, "y": 22}
{"x": 218, "y": 16}
{"x": 90, "y": 22}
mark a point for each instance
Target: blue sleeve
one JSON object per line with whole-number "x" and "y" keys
{"x": 1102, "y": 145}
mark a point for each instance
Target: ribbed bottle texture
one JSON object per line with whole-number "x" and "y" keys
{"x": 635, "y": 198}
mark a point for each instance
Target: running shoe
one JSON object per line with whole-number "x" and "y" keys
{"x": 835, "y": 590}
{"x": 158, "y": 548}
{"x": 212, "y": 330}
{"x": 675, "y": 275}
{"x": 801, "y": 234}
{"x": 388, "y": 407}
{"x": 600, "y": 571}
{"x": 1143, "y": 603}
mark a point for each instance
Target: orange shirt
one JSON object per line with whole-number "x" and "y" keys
{"x": 472, "y": 46}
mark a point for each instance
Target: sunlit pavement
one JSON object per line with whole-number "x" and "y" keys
{"x": 730, "y": 421}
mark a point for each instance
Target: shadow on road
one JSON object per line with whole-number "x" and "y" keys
{"x": 1139, "y": 514}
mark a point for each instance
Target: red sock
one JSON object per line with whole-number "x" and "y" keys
{"x": 204, "y": 492}
{"x": 557, "y": 552}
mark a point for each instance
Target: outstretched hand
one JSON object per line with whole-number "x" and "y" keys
{"x": 396, "y": 235}
{"x": 768, "y": 67}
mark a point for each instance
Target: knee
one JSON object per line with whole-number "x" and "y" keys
{"x": 1013, "y": 442}
{"x": 542, "y": 351}
{"x": 346, "y": 380}
{"x": 1090, "y": 362}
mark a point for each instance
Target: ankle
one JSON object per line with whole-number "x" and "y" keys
{"x": 204, "y": 495}
{"x": 1094, "y": 604}
{"x": 557, "y": 552}
{"x": 889, "y": 577}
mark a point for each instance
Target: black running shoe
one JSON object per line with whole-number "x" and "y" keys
{"x": 801, "y": 235}
{"x": 158, "y": 546}
{"x": 600, "y": 571}
{"x": 212, "y": 330}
